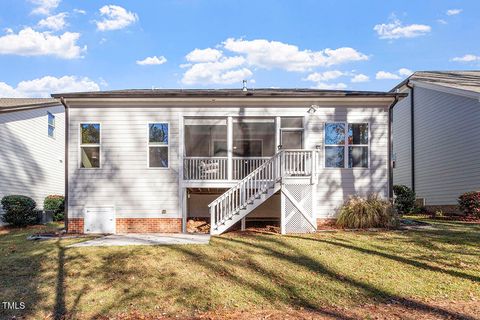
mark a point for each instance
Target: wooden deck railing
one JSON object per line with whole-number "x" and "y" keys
{"x": 205, "y": 168}
{"x": 293, "y": 163}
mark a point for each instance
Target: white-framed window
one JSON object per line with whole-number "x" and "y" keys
{"x": 90, "y": 142}
{"x": 346, "y": 145}
{"x": 51, "y": 125}
{"x": 158, "y": 145}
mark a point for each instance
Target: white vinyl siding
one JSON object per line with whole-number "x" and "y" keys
{"x": 402, "y": 155}
{"x": 32, "y": 163}
{"x": 447, "y": 150}
{"x": 139, "y": 192}
{"x": 337, "y": 184}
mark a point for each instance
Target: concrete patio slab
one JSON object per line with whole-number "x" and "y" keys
{"x": 145, "y": 239}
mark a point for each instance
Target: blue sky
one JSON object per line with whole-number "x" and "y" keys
{"x": 63, "y": 45}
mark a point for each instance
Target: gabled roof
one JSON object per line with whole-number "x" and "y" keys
{"x": 223, "y": 93}
{"x": 16, "y": 104}
{"x": 461, "y": 80}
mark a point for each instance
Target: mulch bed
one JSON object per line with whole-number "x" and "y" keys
{"x": 460, "y": 218}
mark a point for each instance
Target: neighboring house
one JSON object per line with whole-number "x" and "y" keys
{"x": 436, "y": 149}
{"x": 32, "y": 148}
{"x": 151, "y": 160}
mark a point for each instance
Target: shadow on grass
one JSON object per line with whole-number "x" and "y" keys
{"x": 411, "y": 262}
{"x": 313, "y": 265}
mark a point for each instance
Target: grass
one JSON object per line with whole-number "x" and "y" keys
{"x": 244, "y": 273}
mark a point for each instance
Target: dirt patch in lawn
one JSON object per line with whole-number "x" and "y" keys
{"x": 394, "y": 310}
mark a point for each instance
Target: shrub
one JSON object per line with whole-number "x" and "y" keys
{"x": 404, "y": 199}
{"x": 469, "y": 203}
{"x": 19, "y": 210}
{"x": 55, "y": 203}
{"x": 372, "y": 212}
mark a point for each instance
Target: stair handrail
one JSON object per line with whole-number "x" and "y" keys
{"x": 285, "y": 162}
{"x": 263, "y": 165}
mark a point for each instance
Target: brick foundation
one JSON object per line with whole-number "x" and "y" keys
{"x": 149, "y": 225}
{"x": 321, "y": 223}
{"x": 75, "y": 225}
{"x": 135, "y": 225}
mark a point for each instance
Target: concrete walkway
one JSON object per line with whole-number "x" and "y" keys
{"x": 148, "y": 239}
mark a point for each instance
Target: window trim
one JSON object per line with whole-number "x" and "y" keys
{"x": 346, "y": 145}
{"x": 51, "y": 125}
{"x": 158, "y": 146}
{"x": 80, "y": 145}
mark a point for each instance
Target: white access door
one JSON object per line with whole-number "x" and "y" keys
{"x": 99, "y": 220}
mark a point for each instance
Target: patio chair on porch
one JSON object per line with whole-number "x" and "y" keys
{"x": 209, "y": 170}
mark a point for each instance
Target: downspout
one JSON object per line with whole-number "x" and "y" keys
{"x": 63, "y": 101}
{"x": 412, "y": 134}
{"x": 390, "y": 148}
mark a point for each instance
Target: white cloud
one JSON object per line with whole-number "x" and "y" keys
{"x": 152, "y": 61}
{"x": 204, "y": 55}
{"x": 324, "y": 76}
{"x": 395, "y": 30}
{"x": 467, "y": 58}
{"x": 43, "y": 87}
{"x": 115, "y": 17}
{"x": 360, "y": 78}
{"x": 29, "y": 42}
{"x": 274, "y": 54}
{"x": 214, "y": 66}
{"x": 384, "y": 75}
{"x": 55, "y": 22}
{"x": 330, "y": 86}
{"x": 44, "y": 7}
{"x": 441, "y": 21}
{"x": 405, "y": 72}
{"x": 80, "y": 11}
{"x": 321, "y": 80}
{"x": 226, "y": 70}
{"x": 453, "y": 12}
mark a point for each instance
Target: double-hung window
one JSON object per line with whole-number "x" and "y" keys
{"x": 51, "y": 125}
{"x": 90, "y": 145}
{"x": 158, "y": 145}
{"x": 346, "y": 145}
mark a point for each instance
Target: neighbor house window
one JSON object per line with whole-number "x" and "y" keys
{"x": 346, "y": 145}
{"x": 51, "y": 125}
{"x": 158, "y": 145}
{"x": 90, "y": 145}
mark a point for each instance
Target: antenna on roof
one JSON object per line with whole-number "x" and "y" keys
{"x": 244, "y": 86}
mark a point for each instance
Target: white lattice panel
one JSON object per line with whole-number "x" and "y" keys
{"x": 298, "y": 208}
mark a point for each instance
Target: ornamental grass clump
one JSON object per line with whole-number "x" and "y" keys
{"x": 370, "y": 212}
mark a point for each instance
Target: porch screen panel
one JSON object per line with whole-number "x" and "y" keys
{"x": 254, "y": 137}
{"x": 206, "y": 137}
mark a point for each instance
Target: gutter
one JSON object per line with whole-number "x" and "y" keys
{"x": 390, "y": 148}
{"x": 64, "y": 102}
{"x": 412, "y": 132}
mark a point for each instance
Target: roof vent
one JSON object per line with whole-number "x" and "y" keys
{"x": 244, "y": 86}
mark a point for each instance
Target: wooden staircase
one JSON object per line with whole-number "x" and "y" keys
{"x": 250, "y": 192}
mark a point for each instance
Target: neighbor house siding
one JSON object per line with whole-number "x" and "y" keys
{"x": 447, "y": 149}
{"x": 402, "y": 173}
{"x": 138, "y": 192}
{"x": 32, "y": 163}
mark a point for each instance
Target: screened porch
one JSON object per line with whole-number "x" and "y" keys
{"x": 230, "y": 148}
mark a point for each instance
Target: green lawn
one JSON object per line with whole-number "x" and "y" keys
{"x": 244, "y": 273}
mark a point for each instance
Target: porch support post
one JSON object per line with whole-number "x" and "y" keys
{"x": 242, "y": 224}
{"x": 277, "y": 133}
{"x": 229, "y": 148}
